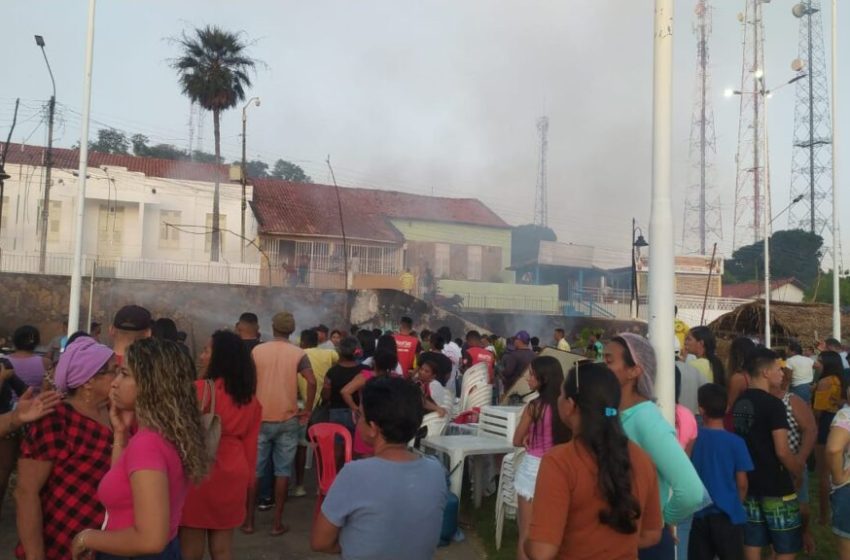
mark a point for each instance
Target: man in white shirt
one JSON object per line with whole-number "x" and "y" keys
{"x": 453, "y": 352}
{"x": 802, "y": 371}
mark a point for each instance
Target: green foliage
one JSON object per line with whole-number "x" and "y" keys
{"x": 110, "y": 141}
{"x": 821, "y": 290}
{"x": 525, "y": 242}
{"x": 793, "y": 252}
{"x": 290, "y": 172}
{"x": 213, "y": 67}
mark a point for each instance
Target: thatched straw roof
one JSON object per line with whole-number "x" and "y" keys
{"x": 805, "y": 322}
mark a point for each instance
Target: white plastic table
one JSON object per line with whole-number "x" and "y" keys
{"x": 458, "y": 448}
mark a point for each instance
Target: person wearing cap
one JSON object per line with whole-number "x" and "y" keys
{"x": 632, "y": 359}
{"x": 514, "y": 363}
{"x": 131, "y": 323}
{"x": 65, "y": 455}
{"x": 279, "y": 362}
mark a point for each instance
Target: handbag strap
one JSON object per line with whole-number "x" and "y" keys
{"x": 211, "y": 385}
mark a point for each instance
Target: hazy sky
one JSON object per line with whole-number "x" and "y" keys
{"x": 439, "y": 96}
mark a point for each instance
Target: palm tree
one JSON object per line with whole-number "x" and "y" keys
{"x": 213, "y": 72}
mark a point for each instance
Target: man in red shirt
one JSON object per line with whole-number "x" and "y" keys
{"x": 475, "y": 353}
{"x": 407, "y": 346}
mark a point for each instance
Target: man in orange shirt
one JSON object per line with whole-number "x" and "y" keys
{"x": 279, "y": 363}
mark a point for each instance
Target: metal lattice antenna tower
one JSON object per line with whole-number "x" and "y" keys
{"x": 702, "y": 224}
{"x": 811, "y": 171}
{"x": 541, "y": 207}
{"x": 750, "y": 179}
{"x": 191, "y": 126}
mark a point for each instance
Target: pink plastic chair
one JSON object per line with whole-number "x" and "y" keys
{"x": 323, "y": 437}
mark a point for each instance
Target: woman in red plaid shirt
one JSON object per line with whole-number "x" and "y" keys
{"x": 64, "y": 456}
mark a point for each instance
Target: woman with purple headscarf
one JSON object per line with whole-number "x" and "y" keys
{"x": 632, "y": 360}
{"x": 64, "y": 456}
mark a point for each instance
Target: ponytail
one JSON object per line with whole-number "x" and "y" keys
{"x": 709, "y": 343}
{"x": 595, "y": 390}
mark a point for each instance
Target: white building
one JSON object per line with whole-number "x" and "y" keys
{"x": 143, "y": 216}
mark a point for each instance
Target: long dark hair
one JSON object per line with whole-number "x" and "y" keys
{"x": 367, "y": 343}
{"x": 740, "y": 349}
{"x": 231, "y": 361}
{"x": 550, "y": 377}
{"x": 832, "y": 364}
{"x": 596, "y": 392}
{"x": 709, "y": 343}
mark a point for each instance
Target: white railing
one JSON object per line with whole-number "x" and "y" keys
{"x": 136, "y": 269}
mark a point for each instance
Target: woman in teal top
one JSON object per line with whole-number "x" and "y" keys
{"x": 632, "y": 360}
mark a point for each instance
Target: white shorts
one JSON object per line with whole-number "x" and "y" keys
{"x": 526, "y": 476}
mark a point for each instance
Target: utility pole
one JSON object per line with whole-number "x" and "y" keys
{"x": 541, "y": 205}
{"x": 244, "y": 174}
{"x": 48, "y": 163}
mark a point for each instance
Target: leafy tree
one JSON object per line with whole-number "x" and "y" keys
{"x": 110, "y": 141}
{"x": 821, "y": 289}
{"x": 793, "y": 252}
{"x": 213, "y": 72}
{"x": 255, "y": 168}
{"x": 525, "y": 242}
{"x": 204, "y": 157}
{"x": 290, "y": 172}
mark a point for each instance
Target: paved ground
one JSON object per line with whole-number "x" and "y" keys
{"x": 260, "y": 546}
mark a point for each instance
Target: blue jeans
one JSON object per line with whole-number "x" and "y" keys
{"x": 278, "y": 443}
{"x": 804, "y": 391}
{"x": 171, "y": 552}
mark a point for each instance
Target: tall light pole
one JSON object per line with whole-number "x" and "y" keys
{"x": 836, "y": 291}
{"x": 661, "y": 289}
{"x": 255, "y": 101}
{"x": 77, "y": 265}
{"x": 48, "y": 162}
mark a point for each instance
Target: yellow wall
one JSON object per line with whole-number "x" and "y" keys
{"x": 509, "y": 297}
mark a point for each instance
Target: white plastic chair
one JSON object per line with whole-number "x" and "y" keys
{"x": 482, "y": 395}
{"x": 506, "y": 500}
{"x": 435, "y": 423}
{"x": 473, "y": 378}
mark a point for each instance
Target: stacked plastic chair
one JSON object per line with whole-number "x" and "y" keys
{"x": 506, "y": 500}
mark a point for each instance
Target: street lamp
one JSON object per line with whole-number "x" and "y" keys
{"x": 765, "y": 93}
{"x": 256, "y": 102}
{"x": 637, "y": 243}
{"x": 48, "y": 161}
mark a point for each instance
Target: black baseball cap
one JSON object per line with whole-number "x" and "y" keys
{"x": 132, "y": 318}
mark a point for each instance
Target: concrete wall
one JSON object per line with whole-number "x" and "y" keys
{"x": 198, "y": 309}
{"x": 502, "y": 297}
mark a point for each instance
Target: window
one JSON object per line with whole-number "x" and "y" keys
{"x": 4, "y": 217}
{"x": 473, "y": 262}
{"x": 54, "y": 220}
{"x": 222, "y": 227}
{"x": 442, "y": 258}
{"x": 110, "y": 230}
{"x": 169, "y": 236}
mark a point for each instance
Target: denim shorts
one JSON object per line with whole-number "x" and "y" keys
{"x": 278, "y": 442}
{"x": 171, "y": 552}
{"x": 774, "y": 521}
{"x": 343, "y": 417}
{"x": 840, "y": 501}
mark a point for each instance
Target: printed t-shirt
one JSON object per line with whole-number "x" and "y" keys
{"x": 278, "y": 362}
{"x": 842, "y": 422}
{"x": 755, "y": 416}
{"x": 388, "y": 510}
{"x": 479, "y": 356}
{"x": 406, "y": 347}
{"x": 321, "y": 360}
{"x": 717, "y": 456}
{"x": 567, "y": 502}
{"x": 146, "y": 451}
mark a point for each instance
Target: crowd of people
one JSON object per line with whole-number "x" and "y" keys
{"x": 133, "y": 450}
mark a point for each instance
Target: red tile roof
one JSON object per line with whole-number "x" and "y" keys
{"x": 747, "y": 290}
{"x": 64, "y": 158}
{"x": 286, "y": 208}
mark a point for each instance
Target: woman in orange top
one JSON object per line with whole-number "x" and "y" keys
{"x": 217, "y": 506}
{"x": 596, "y": 496}
{"x": 828, "y": 400}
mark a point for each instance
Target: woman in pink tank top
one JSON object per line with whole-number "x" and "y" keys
{"x": 539, "y": 429}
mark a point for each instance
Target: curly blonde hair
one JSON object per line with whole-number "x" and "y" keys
{"x": 167, "y": 401}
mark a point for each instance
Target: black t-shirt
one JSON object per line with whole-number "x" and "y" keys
{"x": 340, "y": 376}
{"x": 514, "y": 364}
{"x": 250, "y": 343}
{"x": 756, "y": 414}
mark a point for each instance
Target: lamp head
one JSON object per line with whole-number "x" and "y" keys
{"x": 257, "y": 102}
{"x": 641, "y": 242}
{"x": 39, "y": 40}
